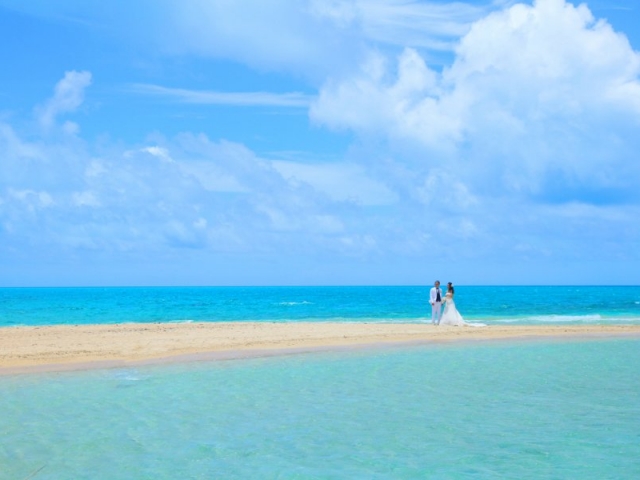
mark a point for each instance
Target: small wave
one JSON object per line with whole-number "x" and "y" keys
{"x": 128, "y": 377}
{"x": 551, "y": 319}
{"x": 289, "y": 304}
{"x": 567, "y": 318}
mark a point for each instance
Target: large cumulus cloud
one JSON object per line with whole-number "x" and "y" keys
{"x": 541, "y": 100}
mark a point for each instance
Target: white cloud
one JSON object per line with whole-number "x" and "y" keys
{"x": 275, "y": 35}
{"x": 314, "y": 38}
{"x": 311, "y": 38}
{"x": 94, "y": 168}
{"x": 431, "y": 25}
{"x": 158, "y": 152}
{"x": 188, "y": 192}
{"x": 441, "y": 187}
{"x": 554, "y": 53}
{"x": 413, "y": 105}
{"x": 70, "y": 128}
{"x": 85, "y": 199}
{"x": 11, "y": 144}
{"x": 32, "y": 199}
{"x": 242, "y": 99}
{"x": 463, "y": 228}
{"x": 339, "y": 181}
{"x": 68, "y": 96}
{"x": 539, "y": 98}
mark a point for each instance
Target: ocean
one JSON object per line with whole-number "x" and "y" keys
{"x": 539, "y": 409}
{"x": 494, "y": 305}
{"x": 528, "y": 410}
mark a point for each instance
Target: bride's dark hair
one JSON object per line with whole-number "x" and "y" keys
{"x": 450, "y": 287}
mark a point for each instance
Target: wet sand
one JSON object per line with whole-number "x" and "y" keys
{"x": 72, "y": 347}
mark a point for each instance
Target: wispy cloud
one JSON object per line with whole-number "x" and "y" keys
{"x": 240, "y": 99}
{"x": 429, "y": 25}
{"x": 68, "y": 96}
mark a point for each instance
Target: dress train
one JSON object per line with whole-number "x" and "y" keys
{"x": 452, "y": 317}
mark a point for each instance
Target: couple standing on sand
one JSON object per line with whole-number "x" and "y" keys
{"x": 450, "y": 316}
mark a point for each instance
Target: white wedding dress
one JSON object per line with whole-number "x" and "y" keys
{"x": 452, "y": 317}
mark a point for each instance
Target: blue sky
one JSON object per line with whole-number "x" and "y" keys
{"x": 306, "y": 142}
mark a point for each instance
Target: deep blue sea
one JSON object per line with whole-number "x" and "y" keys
{"x": 542, "y": 409}
{"x": 494, "y": 305}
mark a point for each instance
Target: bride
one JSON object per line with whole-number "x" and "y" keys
{"x": 450, "y": 316}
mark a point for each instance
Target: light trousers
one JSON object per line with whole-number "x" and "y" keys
{"x": 436, "y": 312}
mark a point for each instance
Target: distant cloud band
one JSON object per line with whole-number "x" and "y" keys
{"x": 242, "y": 99}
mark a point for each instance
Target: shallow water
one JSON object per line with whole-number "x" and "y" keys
{"x": 499, "y": 410}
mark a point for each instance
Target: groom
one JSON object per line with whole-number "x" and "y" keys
{"x": 435, "y": 299}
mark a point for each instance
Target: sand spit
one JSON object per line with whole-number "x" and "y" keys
{"x": 56, "y": 348}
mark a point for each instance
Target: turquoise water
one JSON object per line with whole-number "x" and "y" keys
{"x": 497, "y": 410}
{"x": 519, "y": 305}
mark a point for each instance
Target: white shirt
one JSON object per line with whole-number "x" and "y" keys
{"x": 433, "y": 294}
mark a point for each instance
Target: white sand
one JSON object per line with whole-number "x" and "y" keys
{"x": 87, "y": 346}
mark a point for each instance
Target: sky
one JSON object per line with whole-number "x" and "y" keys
{"x": 319, "y": 142}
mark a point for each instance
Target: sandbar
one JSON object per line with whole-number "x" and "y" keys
{"x": 70, "y": 347}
